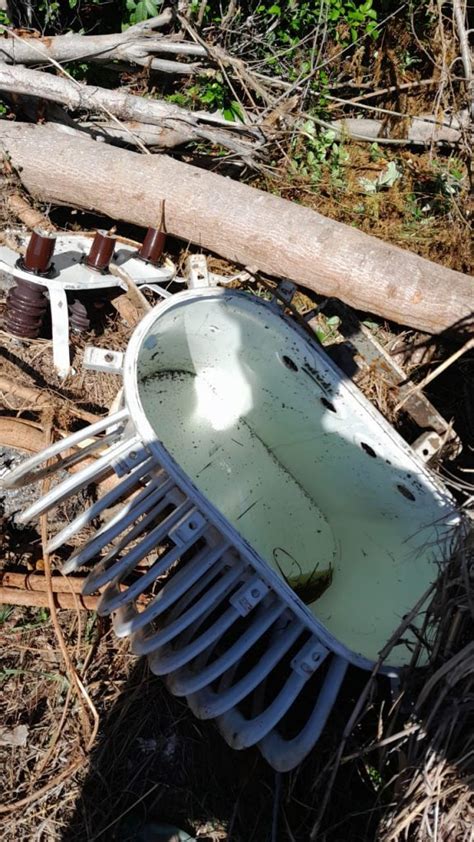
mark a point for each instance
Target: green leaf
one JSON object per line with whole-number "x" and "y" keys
{"x": 142, "y": 10}
{"x": 208, "y": 97}
{"x": 237, "y": 110}
{"x": 274, "y": 10}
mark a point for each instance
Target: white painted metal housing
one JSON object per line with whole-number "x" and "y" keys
{"x": 284, "y": 528}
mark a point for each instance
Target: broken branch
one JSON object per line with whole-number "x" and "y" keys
{"x": 132, "y": 47}
{"x": 238, "y": 138}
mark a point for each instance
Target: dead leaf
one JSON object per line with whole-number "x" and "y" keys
{"x": 17, "y": 736}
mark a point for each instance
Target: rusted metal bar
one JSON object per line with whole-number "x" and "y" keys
{"x": 37, "y": 582}
{"x": 32, "y": 589}
{"x": 40, "y": 599}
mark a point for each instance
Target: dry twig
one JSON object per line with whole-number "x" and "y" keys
{"x": 437, "y": 371}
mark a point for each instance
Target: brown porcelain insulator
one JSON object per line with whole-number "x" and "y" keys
{"x": 101, "y": 252}
{"x": 39, "y": 252}
{"x": 79, "y": 320}
{"x": 26, "y": 306}
{"x": 153, "y": 246}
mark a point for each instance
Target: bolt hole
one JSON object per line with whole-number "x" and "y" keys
{"x": 328, "y": 405}
{"x": 406, "y": 492}
{"x": 425, "y": 451}
{"x": 368, "y": 449}
{"x": 192, "y": 525}
{"x": 289, "y": 363}
{"x": 109, "y": 358}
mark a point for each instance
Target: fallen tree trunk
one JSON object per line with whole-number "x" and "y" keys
{"x": 241, "y": 223}
{"x": 241, "y": 139}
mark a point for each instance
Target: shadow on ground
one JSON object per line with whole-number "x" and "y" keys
{"x": 154, "y": 762}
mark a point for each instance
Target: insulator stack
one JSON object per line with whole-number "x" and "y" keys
{"x": 153, "y": 246}
{"x": 39, "y": 253}
{"x": 79, "y": 320}
{"x": 101, "y": 253}
{"x": 26, "y": 306}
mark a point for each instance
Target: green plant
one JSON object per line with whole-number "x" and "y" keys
{"x": 375, "y": 152}
{"x": 314, "y": 150}
{"x": 406, "y": 59}
{"x": 47, "y": 676}
{"x": 78, "y": 70}
{"x": 327, "y": 328}
{"x": 356, "y": 18}
{"x": 140, "y": 10}
{"x": 359, "y": 18}
{"x": 438, "y": 189}
{"x": 285, "y": 24}
{"x": 5, "y": 611}
{"x": 385, "y": 179}
{"x": 374, "y": 776}
{"x": 25, "y": 625}
{"x": 49, "y": 11}
{"x": 90, "y": 631}
{"x": 214, "y": 95}
{"x": 449, "y": 180}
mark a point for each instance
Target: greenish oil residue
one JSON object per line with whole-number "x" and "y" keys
{"x": 309, "y": 587}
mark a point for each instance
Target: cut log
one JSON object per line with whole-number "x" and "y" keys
{"x": 241, "y": 223}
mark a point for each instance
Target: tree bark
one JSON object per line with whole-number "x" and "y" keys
{"x": 241, "y": 139}
{"x": 241, "y": 223}
{"x": 132, "y": 47}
